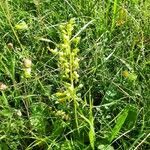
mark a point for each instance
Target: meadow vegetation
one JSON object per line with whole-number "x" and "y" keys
{"x": 74, "y": 75}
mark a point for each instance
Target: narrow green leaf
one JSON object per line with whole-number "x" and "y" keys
{"x": 92, "y": 137}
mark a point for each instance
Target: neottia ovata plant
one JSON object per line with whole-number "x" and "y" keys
{"x": 68, "y": 64}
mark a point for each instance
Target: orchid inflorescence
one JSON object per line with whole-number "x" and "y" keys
{"x": 68, "y": 61}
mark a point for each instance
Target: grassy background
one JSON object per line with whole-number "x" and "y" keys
{"x": 114, "y": 38}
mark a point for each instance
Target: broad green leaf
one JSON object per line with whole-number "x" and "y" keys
{"x": 3, "y": 146}
{"x": 125, "y": 119}
{"x": 119, "y": 123}
{"x": 131, "y": 118}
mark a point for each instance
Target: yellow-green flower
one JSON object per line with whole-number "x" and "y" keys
{"x": 27, "y": 72}
{"x": 21, "y": 26}
{"x": 125, "y": 73}
{"x": 131, "y": 76}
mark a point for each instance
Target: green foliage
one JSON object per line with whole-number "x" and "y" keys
{"x": 119, "y": 123}
{"x": 121, "y": 119}
{"x": 74, "y": 74}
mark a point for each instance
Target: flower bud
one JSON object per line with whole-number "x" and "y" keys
{"x": 76, "y": 63}
{"x": 59, "y": 94}
{"x": 54, "y": 51}
{"x": 10, "y": 45}
{"x": 125, "y": 73}
{"x": 71, "y": 88}
{"x": 2, "y": 86}
{"x": 21, "y": 26}
{"x": 80, "y": 86}
{"x": 72, "y": 21}
{"x": 66, "y": 117}
{"x": 64, "y": 46}
{"x": 18, "y": 112}
{"x": 76, "y": 75}
{"x": 27, "y": 63}
{"x": 76, "y": 40}
{"x": 61, "y": 27}
{"x": 132, "y": 77}
{"x": 27, "y": 72}
{"x": 69, "y": 28}
{"x": 67, "y": 70}
{"x": 61, "y": 54}
{"x": 66, "y": 65}
{"x": 75, "y": 51}
{"x": 65, "y": 38}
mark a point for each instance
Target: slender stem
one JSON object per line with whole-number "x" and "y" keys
{"x": 72, "y": 86}
{"x": 5, "y": 99}
{"x": 7, "y": 15}
{"x": 114, "y": 14}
